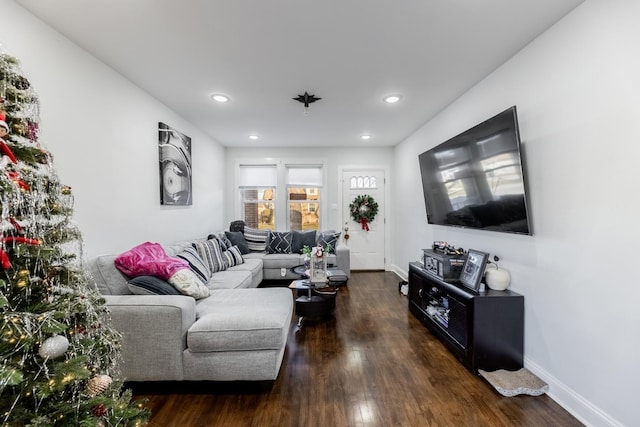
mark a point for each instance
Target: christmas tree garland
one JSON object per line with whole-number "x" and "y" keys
{"x": 363, "y": 210}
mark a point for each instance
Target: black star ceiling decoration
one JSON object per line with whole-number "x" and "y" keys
{"x": 306, "y": 99}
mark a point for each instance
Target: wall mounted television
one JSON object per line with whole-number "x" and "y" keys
{"x": 476, "y": 179}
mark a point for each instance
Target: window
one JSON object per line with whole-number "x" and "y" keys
{"x": 364, "y": 182}
{"x": 257, "y": 187}
{"x": 303, "y": 196}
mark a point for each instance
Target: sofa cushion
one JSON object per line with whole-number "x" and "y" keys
{"x": 148, "y": 259}
{"x": 151, "y": 285}
{"x": 230, "y": 279}
{"x": 188, "y": 283}
{"x": 278, "y": 261}
{"x": 241, "y": 319}
{"x": 109, "y": 280}
{"x": 301, "y": 239}
{"x": 232, "y": 256}
{"x": 196, "y": 263}
{"x": 256, "y": 239}
{"x": 279, "y": 242}
{"x": 328, "y": 238}
{"x": 211, "y": 252}
{"x": 237, "y": 239}
{"x": 253, "y": 265}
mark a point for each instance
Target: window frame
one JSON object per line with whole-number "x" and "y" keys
{"x": 281, "y": 202}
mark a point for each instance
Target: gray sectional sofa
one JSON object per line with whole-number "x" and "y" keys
{"x": 237, "y": 333}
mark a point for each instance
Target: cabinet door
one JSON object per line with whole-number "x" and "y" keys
{"x": 415, "y": 290}
{"x": 457, "y": 321}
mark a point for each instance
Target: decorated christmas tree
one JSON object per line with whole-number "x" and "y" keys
{"x": 58, "y": 354}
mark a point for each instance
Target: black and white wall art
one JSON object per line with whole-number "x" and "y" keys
{"x": 175, "y": 166}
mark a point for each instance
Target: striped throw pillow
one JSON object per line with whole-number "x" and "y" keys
{"x": 211, "y": 254}
{"x": 196, "y": 263}
{"x": 256, "y": 239}
{"x": 232, "y": 256}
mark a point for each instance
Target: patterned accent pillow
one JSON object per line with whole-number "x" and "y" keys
{"x": 279, "y": 242}
{"x": 211, "y": 254}
{"x": 232, "y": 256}
{"x": 225, "y": 243}
{"x": 151, "y": 285}
{"x": 196, "y": 263}
{"x": 301, "y": 239}
{"x": 256, "y": 239}
{"x": 188, "y": 283}
{"x": 330, "y": 238}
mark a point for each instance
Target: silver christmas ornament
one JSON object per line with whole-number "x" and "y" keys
{"x": 53, "y": 347}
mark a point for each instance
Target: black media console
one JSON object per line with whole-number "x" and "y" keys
{"x": 484, "y": 331}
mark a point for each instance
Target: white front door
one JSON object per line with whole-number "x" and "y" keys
{"x": 366, "y": 247}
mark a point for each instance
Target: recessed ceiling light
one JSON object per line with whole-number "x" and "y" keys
{"x": 220, "y": 98}
{"x": 254, "y": 137}
{"x": 392, "y": 99}
{"x": 365, "y": 137}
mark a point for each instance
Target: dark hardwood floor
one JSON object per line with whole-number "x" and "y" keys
{"x": 372, "y": 364}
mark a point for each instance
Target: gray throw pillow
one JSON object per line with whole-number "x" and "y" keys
{"x": 151, "y": 285}
{"x": 237, "y": 239}
{"x": 328, "y": 238}
{"x": 301, "y": 239}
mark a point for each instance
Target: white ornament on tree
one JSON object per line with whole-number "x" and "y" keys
{"x": 53, "y": 347}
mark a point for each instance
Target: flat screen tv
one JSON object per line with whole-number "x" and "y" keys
{"x": 476, "y": 179}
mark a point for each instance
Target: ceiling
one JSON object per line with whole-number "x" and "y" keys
{"x": 351, "y": 53}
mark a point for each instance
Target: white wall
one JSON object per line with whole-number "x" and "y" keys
{"x": 578, "y": 96}
{"x": 335, "y": 158}
{"x": 102, "y": 131}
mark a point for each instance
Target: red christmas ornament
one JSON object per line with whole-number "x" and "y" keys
{"x": 5, "y": 263}
{"x": 15, "y": 177}
{"x": 4, "y": 260}
{"x": 99, "y": 410}
{"x": 4, "y": 148}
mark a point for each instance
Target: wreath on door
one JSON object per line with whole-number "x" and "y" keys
{"x": 363, "y": 210}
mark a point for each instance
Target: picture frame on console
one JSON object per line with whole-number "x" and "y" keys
{"x": 473, "y": 269}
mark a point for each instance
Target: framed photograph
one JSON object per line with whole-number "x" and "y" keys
{"x": 175, "y": 166}
{"x": 473, "y": 269}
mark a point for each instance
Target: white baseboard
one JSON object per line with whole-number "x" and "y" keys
{"x": 587, "y": 413}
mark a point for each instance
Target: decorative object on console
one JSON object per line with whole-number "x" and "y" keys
{"x": 472, "y": 270}
{"x": 495, "y": 277}
{"x": 446, "y": 248}
{"x": 445, "y": 266}
{"x": 363, "y": 210}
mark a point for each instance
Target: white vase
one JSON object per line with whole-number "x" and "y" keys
{"x": 497, "y": 279}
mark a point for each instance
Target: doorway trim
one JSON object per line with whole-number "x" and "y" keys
{"x": 387, "y": 204}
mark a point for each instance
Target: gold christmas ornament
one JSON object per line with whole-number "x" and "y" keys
{"x": 98, "y": 384}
